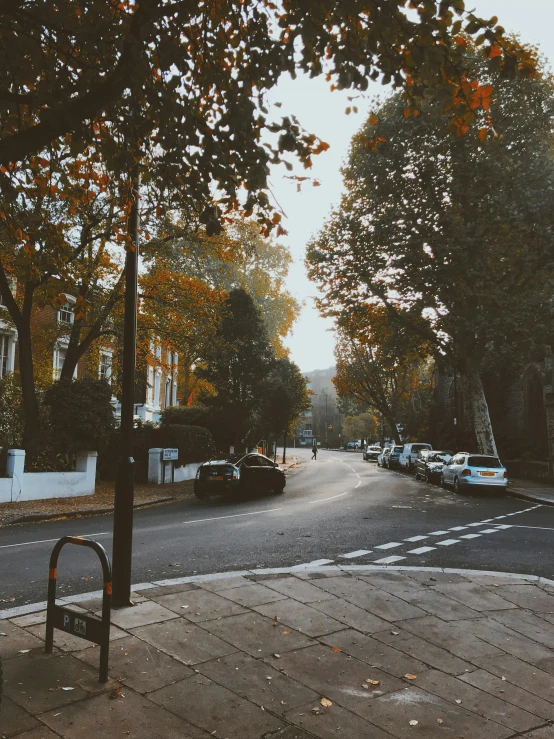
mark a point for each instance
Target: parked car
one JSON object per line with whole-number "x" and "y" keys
{"x": 409, "y": 455}
{"x": 429, "y": 464}
{"x": 253, "y": 472}
{"x": 371, "y": 453}
{"x": 352, "y": 445}
{"x": 392, "y": 458}
{"x": 466, "y": 471}
{"x": 381, "y": 457}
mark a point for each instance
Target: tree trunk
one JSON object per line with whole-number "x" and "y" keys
{"x": 30, "y": 402}
{"x": 284, "y": 447}
{"x": 394, "y": 431}
{"x": 478, "y": 409}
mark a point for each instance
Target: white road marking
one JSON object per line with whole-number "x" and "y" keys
{"x": 416, "y": 538}
{"x": 357, "y": 553}
{"x": 390, "y": 545}
{"x": 470, "y": 536}
{"x": 46, "y": 541}
{"x": 488, "y": 531}
{"x": 475, "y": 524}
{"x": 387, "y": 560}
{"x": 542, "y": 528}
{"x": 497, "y": 517}
{"x": 437, "y": 533}
{"x": 234, "y": 515}
{"x": 421, "y": 550}
{"x": 487, "y": 520}
{"x": 458, "y": 528}
{"x": 448, "y": 542}
{"x": 322, "y": 500}
{"x": 358, "y": 484}
{"x": 318, "y": 563}
{"x": 504, "y": 526}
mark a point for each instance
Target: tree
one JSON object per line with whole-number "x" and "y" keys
{"x": 236, "y": 364}
{"x": 285, "y": 399}
{"x": 363, "y": 426}
{"x": 452, "y": 235}
{"x": 189, "y": 79}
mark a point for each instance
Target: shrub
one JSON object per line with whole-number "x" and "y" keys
{"x": 195, "y": 444}
{"x": 11, "y": 418}
{"x": 194, "y": 415}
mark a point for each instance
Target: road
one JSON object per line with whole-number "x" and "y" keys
{"x": 338, "y": 508}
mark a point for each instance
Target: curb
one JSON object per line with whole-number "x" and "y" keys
{"x": 297, "y": 569}
{"x": 34, "y": 517}
{"x": 529, "y": 496}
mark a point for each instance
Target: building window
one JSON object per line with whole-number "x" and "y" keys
{"x": 4, "y": 354}
{"x": 60, "y": 354}
{"x": 158, "y": 350}
{"x": 65, "y": 314}
{"x": 105, "y": 369}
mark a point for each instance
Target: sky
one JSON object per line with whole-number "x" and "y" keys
{"x": 322, "y": 112}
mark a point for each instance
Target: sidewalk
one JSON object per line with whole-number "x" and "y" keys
{"x": 531, "y": 490}
{"x": 353, "y": 653}
{"x": 102, "y": 500}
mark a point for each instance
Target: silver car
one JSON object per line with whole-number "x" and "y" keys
{"x": 465, "y": 471}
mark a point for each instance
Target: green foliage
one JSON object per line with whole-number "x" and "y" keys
{"x": 285, "y": 398}
{"x": 195, "y": 415}
{"x": 11, "y": 418}
{"x": 363, "y": 426}
{"x": 195, "y": 444}
{"x": 80, "y": 414}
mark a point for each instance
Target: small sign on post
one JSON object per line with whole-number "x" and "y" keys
{"x": 87, "y": 627}
{"x": 170, "y": 455}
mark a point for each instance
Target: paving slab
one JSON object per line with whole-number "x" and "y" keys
{"x": 253, "y": 594}
{"x": 475, "y": 596}
{"x": 301, "y": 617}
{"x": 528, "y": 596}
{"x": 509, "y": 640}
{"x": 547, "y": 732}
{"x": 374, "y": 653}
{"x": 429, "y": 654}
{"x": 186, "y": 642}
{"x": 511, "y": 693}
{"x": 224, "y": 583}
{"x": 393, "y": 713}
{"x": 31, "y": 619}
{"x": 478, "y": 701}
{"x": 259, "y": 682}
{"x": 528, "y": 624}
{"x": 520, "y": 673}
{"x": 199, "y": 605}
{"x": 215, "y": 709}
{"x": 301, "y": 590}
{"x": 352, "y": 589}
{"x": 334, "y": 722}
{"x": 41, "y": 732}
{"x": 257, "y": 635}
{"x": 351, "y": 615}
{"x": 14, "y": 719}
{"x": 437, "y": 604}
{"x": 292, "y": 732}
{"x": 148, "y": 612}
{"x": 139, "y": 664}
{"x": 128, "y": 716}
{"x": 15, "y": 640}
{"x": 434, "y": 578}
{"x": 36, "y": 682}
{"x": 169, "y": 589}
{"x": 454, "y": 636}
{"x": 337, "y": 676}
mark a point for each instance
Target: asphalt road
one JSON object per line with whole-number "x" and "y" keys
{"x": 338, "y": 508}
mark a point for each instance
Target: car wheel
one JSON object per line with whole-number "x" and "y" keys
{"x": 443, "y": 484}
{"x": 417, "y": 475}
{"x": 281, "y": 487}
{"x": 409, "y": 465}
{"x": 456, "y": 485}
{"x": 201, "y": 495}
{"x": 427, "y": 478}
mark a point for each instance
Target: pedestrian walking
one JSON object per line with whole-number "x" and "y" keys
{"x": 314, "y": 451}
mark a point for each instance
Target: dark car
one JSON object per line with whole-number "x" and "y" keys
{"x": 253, "y": 473}
{"x": 392, "y": 459}
{"x": 429, "y": 464}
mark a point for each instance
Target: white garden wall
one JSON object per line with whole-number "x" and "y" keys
{"x": 158, "y": 469}
{"x": 20, "y": 485}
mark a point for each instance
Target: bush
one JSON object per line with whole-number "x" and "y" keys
{"x": 195, "y": 444}
{"x": 194, "y": 415}
{"x": 11, "y": 418}
{"x": 81, "y": 414}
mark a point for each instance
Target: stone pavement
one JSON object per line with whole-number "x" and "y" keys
{"x": 538, "y": 492}
{"x": 355, "y": 653}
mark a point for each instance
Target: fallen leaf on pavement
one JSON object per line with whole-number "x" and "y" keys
{"x": 503, "y": 678}
{"x": 3, "y": 633}
{"x": 116, "y": 693}
{"x": 440, "y": 721}
{"x": 335, "y": 649}
{"x": 373, "y": 682}
{"x": 409, "y": 676}
{"x": 24, "y": 651}
{"x": 326, "y": 702}
{"x": 68, "y": 688}
{"x": 458, "y": 700}
{"x": 275, "y": 618}
{"x": 365, "y": 686}
{"x": 413, "y": 722}
{"x": 278, "y": 656}
{"x": 395, "y": 633}
{"x": 285, "y": 632}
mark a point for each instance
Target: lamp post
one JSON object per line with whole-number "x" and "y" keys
{"x": 125, "y": 477}
{"x": 326, "y": 422}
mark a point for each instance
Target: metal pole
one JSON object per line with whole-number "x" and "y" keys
{"x": 125, "y": 477}
{"x": 326, "y": 423}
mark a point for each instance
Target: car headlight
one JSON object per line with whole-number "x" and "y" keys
{"x": 436, "y": 469}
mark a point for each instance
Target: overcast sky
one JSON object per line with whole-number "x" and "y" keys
{"x": 322, "y": 112}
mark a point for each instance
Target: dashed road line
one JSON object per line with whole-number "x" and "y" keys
{"x": 416, "y": 538}
{"x": 46, "y": 541}
{"x": 470, "y": 536}
{"x": 438, "y": 533}
{"x": 390, "y": 545}
{"x": 357, "y": 553}
{"x": 322, "y": 500}
{"x": 388, "y": 560}
{"x": 234, "y": 515}
{"x": 421, "y": 550}
{"x": 488, "y": 531}
{"x": 448, "y": 542}
{"x": 458, "y": 528}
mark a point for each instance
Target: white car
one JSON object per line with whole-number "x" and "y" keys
{"x": 465, "y": 471}
{"x": 409, "y": 454}
{"x": 381, "y": 456}
{"x": 372, "y": 453}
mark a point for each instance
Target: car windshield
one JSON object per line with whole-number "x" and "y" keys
{"x": 483, "y": 462}
{"x": 398, "y": 449}
{"x": 440, "y": 457}
{"x": 419, "y": 447}
{"x": 374, "y": 449}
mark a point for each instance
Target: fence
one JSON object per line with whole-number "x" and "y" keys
{"x": 19, "y": 485}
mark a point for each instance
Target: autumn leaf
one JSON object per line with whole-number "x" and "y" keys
{"x": 483, "y": 133}
{"x": 410, "y": 676}
{"x": 335, "y": 649}
{"x": 495, "y": 51}
{"x": 325, "y": 702}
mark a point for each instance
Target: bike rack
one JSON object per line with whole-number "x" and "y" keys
{"x": 86, "y": 627}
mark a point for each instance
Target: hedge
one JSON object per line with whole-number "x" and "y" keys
{"x": 195, "y": 443}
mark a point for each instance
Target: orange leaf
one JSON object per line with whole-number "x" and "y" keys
{"x": 460, "y": 41}
{"x": 335, "y": 649}
{"x": 373, "y": 120}
{"x": 483, "y": 134}
{"x": 495, "y": 51}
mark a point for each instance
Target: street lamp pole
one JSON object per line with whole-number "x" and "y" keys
{"x": 326, "y": 422}
{"x": 125, "y": 477}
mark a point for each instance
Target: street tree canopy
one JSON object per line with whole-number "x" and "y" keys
{"x": 186, "y": 81}
{"x": 452, "y": 235}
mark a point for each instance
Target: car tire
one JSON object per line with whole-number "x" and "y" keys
{"x": 409, "y": 465}
{"x": 456, "y": 486}
{"x": 417, "y": 475}
{"x": 201, "y": 496}
{"x": 427, "y": 478}
{"x": 443, "y": 484}
{"x": 281, "y": 488}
